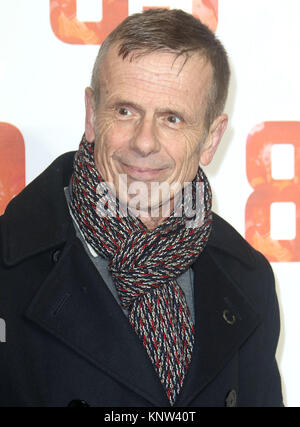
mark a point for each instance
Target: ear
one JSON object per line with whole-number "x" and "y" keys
{"x": 89, "y": 115}
{"x": 213, "y": 138}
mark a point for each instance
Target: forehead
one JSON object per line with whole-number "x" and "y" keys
{"x": 158, "y": 76}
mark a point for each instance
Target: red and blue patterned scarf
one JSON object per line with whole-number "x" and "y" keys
{"x": 144, "y": 265}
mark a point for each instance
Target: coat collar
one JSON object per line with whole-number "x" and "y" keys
{"x": 38, "y": 219}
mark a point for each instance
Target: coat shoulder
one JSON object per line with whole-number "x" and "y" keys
{"x": 37, "y": 218}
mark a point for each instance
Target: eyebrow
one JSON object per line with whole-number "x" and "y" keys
{"x": 181, "y": 115}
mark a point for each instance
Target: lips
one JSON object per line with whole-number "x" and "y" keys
{"x": 141, "y": 172}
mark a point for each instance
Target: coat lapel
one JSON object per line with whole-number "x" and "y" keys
{"x": 224, "y": 319}
{"x": 70, "y": 305}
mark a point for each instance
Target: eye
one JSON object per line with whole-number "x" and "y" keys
{"x": 123, "y": 111}
{"x": 174, "y": 120}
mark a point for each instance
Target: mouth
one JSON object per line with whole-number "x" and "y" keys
{"x": 141, "y": 173}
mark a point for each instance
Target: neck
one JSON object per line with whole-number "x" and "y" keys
{"x": 151, "y": 223}
{"x": 162, "y": 213}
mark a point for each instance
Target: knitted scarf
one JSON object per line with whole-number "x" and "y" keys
{"x": 144, "y": 265}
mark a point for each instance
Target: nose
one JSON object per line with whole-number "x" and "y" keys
{"x": 145, "y": 140}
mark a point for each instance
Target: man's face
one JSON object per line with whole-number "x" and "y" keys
{"x": 149, "y": 124}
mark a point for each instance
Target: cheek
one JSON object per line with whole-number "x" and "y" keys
{"x": 110, "y": 136}
{"x": 185, "y": 148}
{"x": 193, "y": 139}
{"x": 186, "y": 154}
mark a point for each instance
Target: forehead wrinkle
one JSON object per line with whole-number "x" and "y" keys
{"x": 124, "y": 88}
{"x": 144, "y": 71}
{"x": 154, "y": 83}
{"x": 148, "y": 81}
{"x": 153, "y": 60}
{"x": 125, "y": 95}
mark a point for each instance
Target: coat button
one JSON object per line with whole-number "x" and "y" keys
{"x": 231, "y": 399}
{"x": 56, "y": 255}
{"x": 229, "y": 317}
{"x": 77, "y": 403}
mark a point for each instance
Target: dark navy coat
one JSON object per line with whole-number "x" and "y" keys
{"x": 68, "y": 340}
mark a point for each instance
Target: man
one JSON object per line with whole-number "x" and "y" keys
{"x": 113, "y": 291}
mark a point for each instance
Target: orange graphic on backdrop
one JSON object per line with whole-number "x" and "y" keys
{"x": 268, "y": 190}
{"x": 69, "y": 29}
{"x": 207, "y": 12}
{"x": 12, "y": 163}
